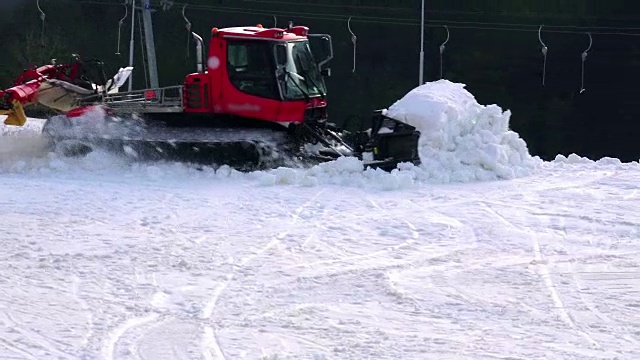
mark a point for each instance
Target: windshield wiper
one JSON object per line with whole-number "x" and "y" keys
{"x": 306, "y": 76}
{"x": 304, "y": 93}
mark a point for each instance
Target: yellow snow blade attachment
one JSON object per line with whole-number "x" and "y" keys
{"x": 54, "y": 94}
{"x": 16, "y": 115}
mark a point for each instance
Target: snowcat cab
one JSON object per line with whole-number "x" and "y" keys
{"x": 262, "y": 74}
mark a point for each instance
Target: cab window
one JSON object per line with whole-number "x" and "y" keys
{"x": 251, "y": 67}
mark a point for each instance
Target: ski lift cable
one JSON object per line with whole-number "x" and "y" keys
{"x": 442, "y": 48}
{"x": 126, "y": 9}
{"x": 332, "y": 5}
{"x": 411, "y": 21}
{"x": 584, "y": 58}
{"x": 561, "y": 29}
{"x": 42, "y": 17}
{"x": 354, "y": 39}
{"x": 544, "y": 55}
{"x": 410, "y": 9}
{"x": 188, "y": 27}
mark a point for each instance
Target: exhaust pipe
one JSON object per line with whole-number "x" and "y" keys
{"x": 199, "y": 47}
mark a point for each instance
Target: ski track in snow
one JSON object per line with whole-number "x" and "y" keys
{"x": 146, "y": 263}
{"x": 210, "y": 338}
{"x": 322, "y": 272}
{"x": 558, "y": 304}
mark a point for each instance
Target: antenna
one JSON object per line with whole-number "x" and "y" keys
{"x": 275, "y": 21}
{"x": 126, "y": 13}
{"x": 584, "y": 58}
{"x": 188, "y": 27}
{"x": 42, "y": 17}
{"x": 442, "y": 47}
{"x": 544, "y": 55}
{"x": 354, "y": 38}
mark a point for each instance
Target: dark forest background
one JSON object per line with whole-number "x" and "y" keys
{"x": 493, "y": 48}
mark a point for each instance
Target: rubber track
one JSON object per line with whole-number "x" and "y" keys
{"x": 245, "y": 149}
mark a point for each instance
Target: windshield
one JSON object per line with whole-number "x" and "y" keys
{"x": 302, "y": 78}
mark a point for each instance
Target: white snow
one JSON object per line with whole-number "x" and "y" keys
{"x": 107, "y": 258}
{"x": 462, "y": 140}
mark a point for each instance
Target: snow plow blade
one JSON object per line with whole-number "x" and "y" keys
{"x": 15, "y": 115}
{"x": 387, "y": 143}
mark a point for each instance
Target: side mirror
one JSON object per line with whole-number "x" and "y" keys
{"x": 326, "y": 48}
{"x": 326, "y": 72}
{"x": 321, "y": 47}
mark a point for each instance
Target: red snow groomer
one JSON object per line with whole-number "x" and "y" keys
{"x": 258, "y": 100}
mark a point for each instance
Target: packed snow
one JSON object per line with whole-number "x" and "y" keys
{"x": 481, "y": 252}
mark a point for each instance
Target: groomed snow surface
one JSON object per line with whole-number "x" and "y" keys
{"x": 481, "y": 252}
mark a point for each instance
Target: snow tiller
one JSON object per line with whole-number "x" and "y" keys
{"x": 258, "y": 100}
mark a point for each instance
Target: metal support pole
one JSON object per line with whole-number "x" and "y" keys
{"x": 421, "y": 81}
{"x": 150, "y": 45}
{"x": 131, "y": 43}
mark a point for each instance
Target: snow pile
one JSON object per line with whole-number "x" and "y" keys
{"x": 462, "y": 140}
{"x": 574, "y": 161}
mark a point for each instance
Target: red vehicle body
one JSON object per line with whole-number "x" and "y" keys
{"x": 214, "y": 92}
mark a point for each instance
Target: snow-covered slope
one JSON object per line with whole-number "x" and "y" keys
{"x": 104, "y": 258}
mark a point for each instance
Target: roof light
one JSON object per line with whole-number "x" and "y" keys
{"x": 214, "y": 31}
{"x": 299, "y": 30}
{"x": 259, "y": 26}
